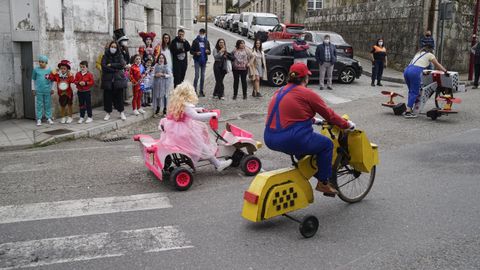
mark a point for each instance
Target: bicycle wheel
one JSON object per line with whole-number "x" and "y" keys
{"x": 352, "y": 185}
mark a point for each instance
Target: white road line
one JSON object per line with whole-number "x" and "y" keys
{"x": 331, "y": 98}
{"x": 84, "y": 207}
{"x": 85, "y": 247}
{"x": 36, "y": 151}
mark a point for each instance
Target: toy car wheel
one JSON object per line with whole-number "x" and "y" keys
{"x": 433, "y": 114}
{"x": 250, "y": 165}
{"x": 237, "y": 158}
{"x": 182, "y": 178}
{"x": 308, "y": 226}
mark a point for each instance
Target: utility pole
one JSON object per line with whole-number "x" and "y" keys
{"x": 474, "y": 40}
{"x": 206, "y": 18}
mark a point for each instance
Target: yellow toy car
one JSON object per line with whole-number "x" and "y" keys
{"x": 282, "y": 191}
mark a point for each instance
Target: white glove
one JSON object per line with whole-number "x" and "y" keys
{"x": 318, "y": 121}
{"x": 351, "y": 125}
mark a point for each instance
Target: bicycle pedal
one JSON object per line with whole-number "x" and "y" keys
{"x": 329, "y": 194}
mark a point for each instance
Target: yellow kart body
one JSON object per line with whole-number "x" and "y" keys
{"x": 281, "y": 191}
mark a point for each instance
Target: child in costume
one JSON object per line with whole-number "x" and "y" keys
{"x": 43, "y": 90}
{"x": 135, "y": 78}
{"x": 84, "y": 81}
{"x": 161, "y": 84}
{"x": 63, "y": 79}
{"x": 147, "y": 82}
{"x": 147, "y": 50}
{"x": 184, "y": 130}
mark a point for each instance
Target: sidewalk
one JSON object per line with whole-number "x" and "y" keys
{"x": 391, "y": 75}
{"x": 23, "y": 133}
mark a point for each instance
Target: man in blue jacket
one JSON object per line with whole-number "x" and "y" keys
{"x": 200, "y": 51}
{"x": 326, "y": 56}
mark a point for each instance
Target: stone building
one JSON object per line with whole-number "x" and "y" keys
{"x": 401, "y": 23}
{"x": 73, "y": 30}
{"x": 215, "y": 8}
{"x": 283, "y": 8}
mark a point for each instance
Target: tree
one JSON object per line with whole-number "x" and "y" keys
{"x": 298, "y": 11}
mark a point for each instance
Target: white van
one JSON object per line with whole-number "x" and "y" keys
{"x": 243, "y": 24}
{"x": 261, "y": 22}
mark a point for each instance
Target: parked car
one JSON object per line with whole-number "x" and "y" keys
{"x": 279, "y": 57}
{"x": 228, "y": 17}
{"x": 261, "y": 22}
{"x": 343, "y": 48}
{"x": 286, "y": 31}
{"x": 233, "y": 26}
{"x": 244, "y": 22}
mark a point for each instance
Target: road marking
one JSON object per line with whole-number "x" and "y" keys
{"x": 331, "y": 98}
{"x": 85, "y": 247}
{"x": 84, "y": 207}
{"x": 31, "y": 152}
{"x": 245, "y": 39}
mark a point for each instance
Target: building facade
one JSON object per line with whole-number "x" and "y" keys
{"x": 284, "y": 8}
{"x": 76, "y": 31}
{"x": 215, "y": 8}
{"x": 401, "y": 23}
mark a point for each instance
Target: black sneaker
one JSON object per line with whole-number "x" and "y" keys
{"x": 379, "y": 84}
{"x": 409, "y": 115}
{"x": 373, "y": 84}
{"x": 329, "y": 88}
{"x": 259, "y": 95}
{"x": 234, "y": 97}
{"x": 245, "y": 97}
{"x": 202, "y": 94}
{"x": 321, "y": 88}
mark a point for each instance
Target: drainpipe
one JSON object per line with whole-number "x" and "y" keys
{"x": 474, "y": 40}
{"x": 116, "y": 17}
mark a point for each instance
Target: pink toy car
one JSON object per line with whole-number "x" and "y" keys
{"x": 234, "y": 143}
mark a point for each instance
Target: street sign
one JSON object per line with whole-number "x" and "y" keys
{"x": 446, "y": 11}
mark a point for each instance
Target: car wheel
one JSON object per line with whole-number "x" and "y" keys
{"x": 347, "y": 75}
{"x": 278, "y": 77}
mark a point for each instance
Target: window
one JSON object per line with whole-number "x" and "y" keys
{"x": 315, "y": 4}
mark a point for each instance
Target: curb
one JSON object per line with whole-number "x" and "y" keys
{"x": 400, "y": 80}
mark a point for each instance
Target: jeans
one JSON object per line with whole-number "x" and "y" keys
{"x": 377, "y": 71}
{"x": 413, "y": 79}
{"x": 85, "y": 103}
{"x": 199, "y": 68}
{"x": 239, "y": 74}
{"x": 326, "y": 67}
{"x": 477, "y": 74}
{"x": 219, "y": 73}
{"x": 43, "y": 105}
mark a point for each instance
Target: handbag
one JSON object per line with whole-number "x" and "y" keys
{"x": 227, "y": 65}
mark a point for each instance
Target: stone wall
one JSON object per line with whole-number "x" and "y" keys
{"x": 361, "y": 24}
{"x": 7, "y": 84}
{"x": 400, "y": 23}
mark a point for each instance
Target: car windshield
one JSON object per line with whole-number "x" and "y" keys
{"x": 268, "y": 21}
{"x": 295, "y": 29}
{"x": 334, "y": 38}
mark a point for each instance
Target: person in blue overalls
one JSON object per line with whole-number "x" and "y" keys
{"x": 413, "y": 75}
{"x": 289, "y": 124}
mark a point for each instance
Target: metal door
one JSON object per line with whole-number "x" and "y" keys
{"x": 27, "y": 68}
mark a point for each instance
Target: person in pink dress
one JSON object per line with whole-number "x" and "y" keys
{"x": 184, "y": 130}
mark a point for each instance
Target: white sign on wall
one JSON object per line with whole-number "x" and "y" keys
{"x": 24, "y": 17}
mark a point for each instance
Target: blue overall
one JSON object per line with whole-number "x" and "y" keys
{"x": 413, "y": 79}
{"x": 299, "y": 139}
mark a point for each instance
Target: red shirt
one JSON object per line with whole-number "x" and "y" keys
{"x": 301, "y": 104}
{"x": 135, "y": 74}
{"x": 87, "y": 78}
{"x": 63, "y": 81}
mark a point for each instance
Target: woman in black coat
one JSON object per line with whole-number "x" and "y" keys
{"x": 113, "y": 80}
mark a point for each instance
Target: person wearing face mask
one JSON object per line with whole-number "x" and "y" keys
{"x": 300, "y": 49}
{"x": 200, "y": 50}
{"x": 179, "y": 48}
{"x": 122, "y": 41}
{"x": 113, "y": 80}
{"x": 326, "y": 56}
{"x": 288, "y": 129}
{"x": 378, "y": 56}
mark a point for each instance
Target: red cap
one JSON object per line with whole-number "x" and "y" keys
{"x": 300, "y": 69}
{"x": 65, "y": 63}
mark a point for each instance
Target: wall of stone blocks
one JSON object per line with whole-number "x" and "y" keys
{"x": 7, "y": 85}
{"x": 361, "y": 24}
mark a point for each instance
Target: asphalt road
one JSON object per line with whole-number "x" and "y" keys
{"x": 422, "y": 212}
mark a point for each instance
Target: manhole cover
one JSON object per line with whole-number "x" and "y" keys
{"x": 58, "y": 131}
{"x": 252, "y": 116}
